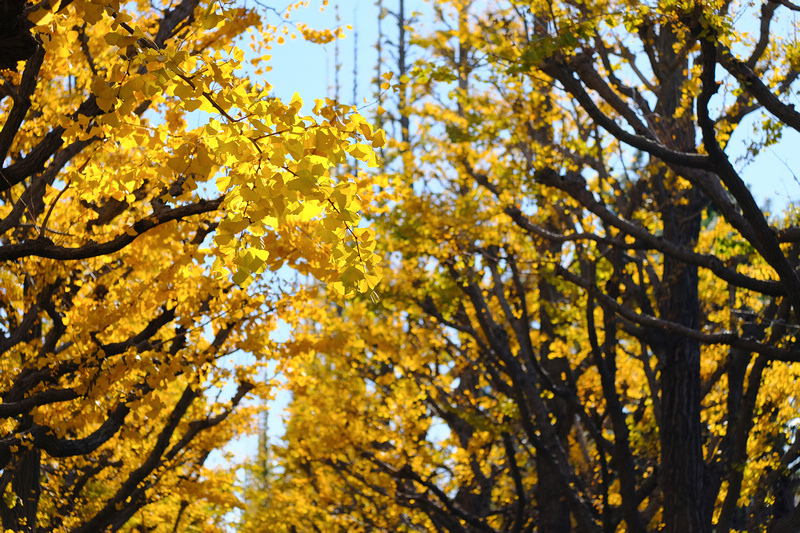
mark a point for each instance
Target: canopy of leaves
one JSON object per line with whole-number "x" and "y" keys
{"x": 587, "y": 322}
{"x": 145, "y": 180}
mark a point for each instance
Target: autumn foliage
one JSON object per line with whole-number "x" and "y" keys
{"x": 587, "y": 323}
{"x": 146, "y": 181}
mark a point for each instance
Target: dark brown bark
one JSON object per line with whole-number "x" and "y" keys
{"x": 553, "y": 509}
{"x": 26, "y": 490}
{"x": 16, "y": 42}
{"x": 682, "y": 467}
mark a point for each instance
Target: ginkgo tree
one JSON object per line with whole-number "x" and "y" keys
{"x": 148, "y": 177}
{"x": 587, "y": 323}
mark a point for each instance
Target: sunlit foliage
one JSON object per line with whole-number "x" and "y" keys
{"x": 146, "y": 181}
{"x": 587, "y": 321}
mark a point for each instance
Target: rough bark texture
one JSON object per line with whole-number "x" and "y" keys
{"x": 682, "y": 467}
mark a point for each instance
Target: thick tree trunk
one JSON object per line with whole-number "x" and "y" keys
{"x": 681, "y": 447}
{"x": 19, "y": 509}
{"x": 552, "y": 504}
{"x": 682, "y": 466}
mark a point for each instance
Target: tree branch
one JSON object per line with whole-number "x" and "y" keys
{"x": 44, "y": 247}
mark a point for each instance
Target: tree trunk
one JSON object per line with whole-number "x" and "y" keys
{"x": 682, "y": 466}
{"x": 681, "y": 438}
